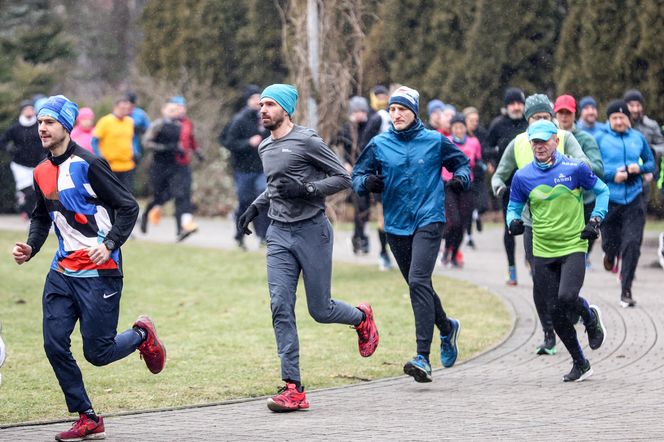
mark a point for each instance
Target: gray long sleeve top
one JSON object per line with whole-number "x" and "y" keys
{"x": 303, "y": 156}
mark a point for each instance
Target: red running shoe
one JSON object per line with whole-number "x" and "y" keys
{"x": 288, "y": 399}
{"x": 152, "y": 350}
{"x": 83, "y": 429}
{"x": 367, "y": 333}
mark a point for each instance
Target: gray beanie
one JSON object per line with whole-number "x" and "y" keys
{"x": 358, "y": 104}
{"x": 537, "y": 103}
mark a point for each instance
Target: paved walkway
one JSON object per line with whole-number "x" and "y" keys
{"x": 506, "y": 393}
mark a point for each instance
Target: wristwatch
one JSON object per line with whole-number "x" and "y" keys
{"x": 110, "y": 244}
{"x": 310, "y": 189}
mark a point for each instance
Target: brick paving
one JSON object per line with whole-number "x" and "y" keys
{"x": 507, "y": 393}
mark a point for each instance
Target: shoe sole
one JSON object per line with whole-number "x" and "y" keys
{"x": 624, "y": 304}
{"x": 186, "y": 235}
{"x": 546, "y": 351}
{"x": 278, "y": 408}
{"x": 598, "y": 316}
{"x": 417, "y": 373}
{"x": 583, "y": 377}
{"x": 455, "y": 339}
{"x": 96, "y": 436}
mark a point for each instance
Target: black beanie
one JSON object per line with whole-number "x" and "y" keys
{"x": 633, "y": 95}
{"x": 458, "y": 118}
{"x": 513, "y": 94}
{"x": 617, "y": 106}
{"x": 249, "y": 91}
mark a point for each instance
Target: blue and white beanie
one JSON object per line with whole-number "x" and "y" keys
{"x": 61, "y": 109}
{"x": 406, "y": 97}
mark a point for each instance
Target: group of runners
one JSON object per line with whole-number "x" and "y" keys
{"x": 94, "y": 214}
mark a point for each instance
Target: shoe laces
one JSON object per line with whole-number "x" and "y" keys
{"x": 80, "y": 423}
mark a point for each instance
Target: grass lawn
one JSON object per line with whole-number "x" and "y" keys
{"x": 212, "y": 311}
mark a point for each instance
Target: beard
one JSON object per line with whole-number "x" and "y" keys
{"x": 54, "y": 142}
{"x": 275, "y": 123}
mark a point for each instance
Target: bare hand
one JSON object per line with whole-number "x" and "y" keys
{"x": 621, "y": 176}
{"x": 490, "y": 169}
{"x": 99, "y": 254}
{"x": 255, "y": 140}
{"x": 634, "y": 168}
{"x": 21, "y": 252}
{"x": 648, "y": 177}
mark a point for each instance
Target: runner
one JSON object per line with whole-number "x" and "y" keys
{"x": 405, "y": 164}
{"x": 517, "y": 155}
{"x": 626, "y": 157}
{"x": 551, "y": 185}
{"x": 93, "y": 215}
{"x": 301, "y": 171}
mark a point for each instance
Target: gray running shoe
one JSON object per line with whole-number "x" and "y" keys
{"x": 578, "y": 373}
{"x": 596, "y": 331}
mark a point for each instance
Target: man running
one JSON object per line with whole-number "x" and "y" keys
{"x": 405, "y": 164}
{"x": 551, "y": 184}
{"x": 517, "y": 155}
{"x": 626, "y": 157}
{"x": 93, "y": 215}
{"x": 301, "y": 171}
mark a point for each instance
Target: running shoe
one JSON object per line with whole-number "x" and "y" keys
{"x": 445, "y": 259}
{"x": 470, "y": 243}
{"x": 84, "y": 429}
{"x": 511, "y": 276}
{"x": 448, "y": 344}
{"x": 152, "y": 350}
{"x": 154, "y": 215}
{"x": 288, "y": 398}
{"x": 596, "y": 334}
{"x": 626, "y": 299}
{"x": 548, "y": 347}
{"x": 419, "y": 368}
{"x": 578, "y": 372}
{"x": 611, "y": 263}
{"x": 457, "y": 260}
{"x": 660, "y": 251}
{"x": 367, "y": 332}
{"x": 187, "y": 230}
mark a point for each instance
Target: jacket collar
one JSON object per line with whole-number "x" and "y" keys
{"x": 62, "y": 158}
{"x": 410, "y": 133}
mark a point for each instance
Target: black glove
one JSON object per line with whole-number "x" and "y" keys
{"x": 632, "y": 177}
{"x": 516, "y": 227}
{"x": 289, "y": 188}
{"x": 374, "y": 183}
{"x": 591, "y": 231}
{"x": 455, "y": 185}
{"x": 246, "y": 218}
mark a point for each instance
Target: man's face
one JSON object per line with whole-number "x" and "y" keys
{"x": 170, "y": 111}
{"x": 472, "y": 121}
{"x": 446, "y": 119}
{"x": 459, "y": 130}
{"x": 122, "y": 109}
{"x": 434, "y": 118}
{"x": 401, "y": 116}
{"x": 515, "y": 110}
{"x": 589, "y": 114}
{"x": 635, "y": 109}
{"x": 51, "y": 132}
{"x": 359, "y": 117}
{"x": 539, "y": 116}
{"x": 254, "y": 102}
{"x": 565, "y": 119}
{"x": 543, "y": 149}
{"x": 272, "y": 115}
{"x": 619, "y": 122}
{"x": 28, "y": 112}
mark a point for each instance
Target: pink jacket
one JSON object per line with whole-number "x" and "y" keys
{"x": 82, "y": 137}
{"x": 473, "y": 150}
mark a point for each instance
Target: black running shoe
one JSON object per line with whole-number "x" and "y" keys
{"x": 579, "y": 372}
{"x": 626, "y": 299}
{"x": 595, "y": 331}
{"x": 548, "y": 347}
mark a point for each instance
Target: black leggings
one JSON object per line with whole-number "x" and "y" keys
{"x": 416, "y": 257}
{"x": 458, "y": 214}
{"x": 559, "y": 280}
{"x": 508, "y": 239}
{"x": 362, "y": 206}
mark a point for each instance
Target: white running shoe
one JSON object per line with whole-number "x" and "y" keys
{"x": 660, "y": 251}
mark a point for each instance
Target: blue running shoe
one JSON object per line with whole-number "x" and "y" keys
{"x": 419, "y": 368}
{"x": 448, "y": 345}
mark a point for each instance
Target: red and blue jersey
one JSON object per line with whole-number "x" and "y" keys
{"x": 86, "y": 204}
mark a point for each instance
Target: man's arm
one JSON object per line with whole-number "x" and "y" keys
{"x": 365, "y": 165}
{"x": 6, "y": 137}
{"x": 506, "y": 168}
{"x": 326, "y": 160}
{"x": 517, "y": 202}
{"x": 236, "y": 139}
{"x": 573, "y": 148}
{"x": 111, "y": 192}
{"x": 40, "y": 223}
{"x": 647, "y": 157}
{"x": 151, "y": 134}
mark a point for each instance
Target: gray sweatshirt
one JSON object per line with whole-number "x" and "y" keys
{"x": 304, "y": 157}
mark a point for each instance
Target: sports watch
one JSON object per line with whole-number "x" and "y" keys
{"x": 110, "y": 244}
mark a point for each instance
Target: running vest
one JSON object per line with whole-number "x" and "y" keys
{"x": 523, "y": 153}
